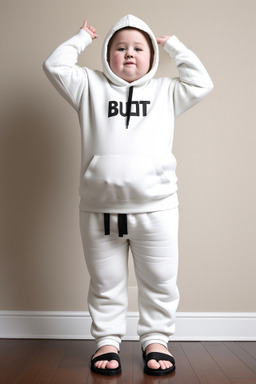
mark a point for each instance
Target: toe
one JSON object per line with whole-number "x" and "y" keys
{"x": 101, "y": 364}
{"x": 164, "y": 364}
{"x": 153, "y": 364}
{"x": 113, "y": 364}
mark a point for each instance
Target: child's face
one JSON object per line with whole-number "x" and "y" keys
{"x": 129, "y": 55}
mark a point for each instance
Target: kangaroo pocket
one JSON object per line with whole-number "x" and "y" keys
{"x": 111, "y": 178}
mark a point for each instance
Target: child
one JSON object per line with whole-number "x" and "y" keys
{"x": 128, "y": 185}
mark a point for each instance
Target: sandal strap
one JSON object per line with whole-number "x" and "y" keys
{"x": 159, "y": 356}
{"x": 107, "y": 356}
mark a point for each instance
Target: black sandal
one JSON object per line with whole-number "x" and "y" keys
{"x": 106, "y": 371}
{"x": 157, "y": 356}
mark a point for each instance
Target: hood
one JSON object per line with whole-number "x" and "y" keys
{"x": 129, "y": 21}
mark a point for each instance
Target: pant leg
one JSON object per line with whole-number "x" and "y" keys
{"x": 106, "y": 258}
{"x": 154, "y": 245}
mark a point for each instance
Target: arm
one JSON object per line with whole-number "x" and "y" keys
{"x": 193, "y": 83}
{"x": 61, "y": 69}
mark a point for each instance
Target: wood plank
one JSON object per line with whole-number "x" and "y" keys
{"x": 138, "y": 365}
{"x": 6, "y": 345}
{"x": 16, "y": 358}
{"x": 250, "y": 347}
{"x": 184, "y": 373}
{"x": 244, "y": 356}
{"x": 205, "y": 367}
{"x": 42, "y": 366}
{"x": 75, "y": 365}
{"x": 229, "y": 362}
{"x": 127, "y": 361}
{"x": 243, "y": 381}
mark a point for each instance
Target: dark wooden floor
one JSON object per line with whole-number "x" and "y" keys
{"x": 67, "y": 362}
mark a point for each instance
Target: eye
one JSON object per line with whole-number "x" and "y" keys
{"x": 138, "y": 49}
{"x": 121, "y": 49}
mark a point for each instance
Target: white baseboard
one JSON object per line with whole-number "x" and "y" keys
{"x": 190, "y": 326}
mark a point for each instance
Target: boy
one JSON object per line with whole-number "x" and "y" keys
{"x": 128, "y": 185}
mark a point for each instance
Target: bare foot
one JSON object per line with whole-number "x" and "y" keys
{"x": 103, "y": 364}
{"x": 153, "y": 364}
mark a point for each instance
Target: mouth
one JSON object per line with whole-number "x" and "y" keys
{"x": 129, "y": 63}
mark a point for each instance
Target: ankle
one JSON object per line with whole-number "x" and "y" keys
{"x": 105, "y": 349}
{"x": 156, "y": 347}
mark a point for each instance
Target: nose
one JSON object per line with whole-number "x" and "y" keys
{"x": 129, "y": 54}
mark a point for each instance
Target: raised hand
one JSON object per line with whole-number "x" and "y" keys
{"x": 162, "y": 39}
{"x": 91, "y": 30}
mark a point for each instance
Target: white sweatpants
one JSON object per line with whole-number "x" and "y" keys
{"x": 153, "y": 239}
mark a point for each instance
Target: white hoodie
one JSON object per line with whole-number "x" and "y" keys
{"x": 127, "y": 165}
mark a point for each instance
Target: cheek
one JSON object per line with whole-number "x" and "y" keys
{"x": 145, "y": 64}
{"x": 115, "y": 61}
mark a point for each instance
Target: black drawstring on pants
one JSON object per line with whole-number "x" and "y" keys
{"x": 121, "y": 221}
{"x": 107, "y": 223}
{"x": 122, "y": 224}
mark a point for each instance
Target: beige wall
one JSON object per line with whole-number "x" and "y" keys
{"x": 42, "y": 265}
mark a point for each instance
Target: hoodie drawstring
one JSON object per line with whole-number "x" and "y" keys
{"x": 129, "y": 105}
